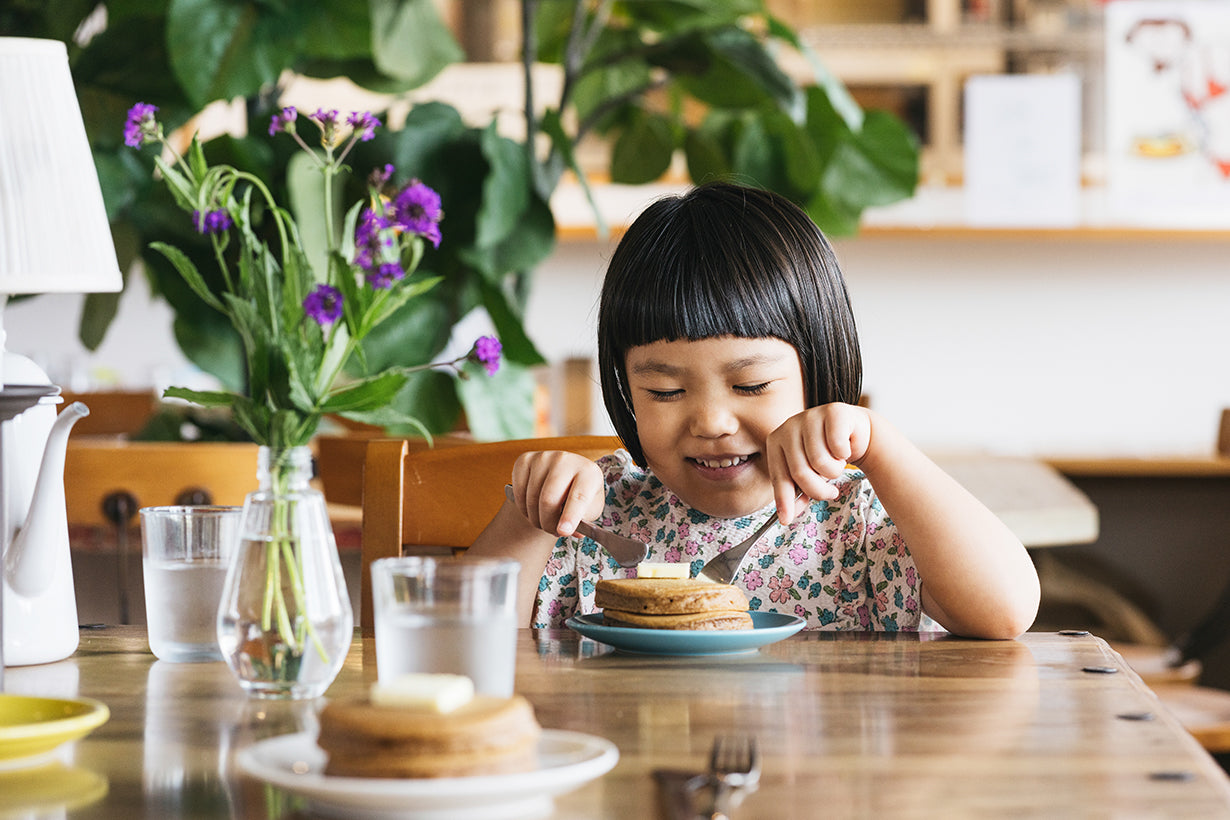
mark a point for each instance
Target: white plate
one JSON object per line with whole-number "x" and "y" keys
{"x": 565, "y": 761}
{"x": 767, "y": 628}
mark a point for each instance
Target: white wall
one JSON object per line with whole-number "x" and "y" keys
{"x": 1051, "y": 344}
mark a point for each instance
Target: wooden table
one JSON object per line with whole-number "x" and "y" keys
{"x": 852, "y": 725}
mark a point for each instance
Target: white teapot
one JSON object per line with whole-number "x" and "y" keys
{"x": 40, "y": 603}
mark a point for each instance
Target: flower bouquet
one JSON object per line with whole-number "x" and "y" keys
{"x": 300, "y": 329}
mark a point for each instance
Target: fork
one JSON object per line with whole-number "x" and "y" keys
{"x": 723, "y": 567}
{"x": 734, "y": 765}
{"x": 627, "y": 552}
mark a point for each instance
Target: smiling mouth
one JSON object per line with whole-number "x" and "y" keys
{"x": 719, "y": 463}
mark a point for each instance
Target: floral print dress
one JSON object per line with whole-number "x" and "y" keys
{"x": 841, "y": 565}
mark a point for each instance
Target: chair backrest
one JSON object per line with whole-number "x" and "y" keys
{"x": 442, "y": 497}
{"x": 154, "y": 474}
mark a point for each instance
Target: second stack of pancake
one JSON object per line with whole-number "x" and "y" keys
{"x": 672, "y": 603}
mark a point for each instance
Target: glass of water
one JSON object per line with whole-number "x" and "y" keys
{"x": 445, "y": 614}
{"x": 185, "y": 551}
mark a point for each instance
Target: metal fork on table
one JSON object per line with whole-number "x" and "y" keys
{"x": 734, "y": 766}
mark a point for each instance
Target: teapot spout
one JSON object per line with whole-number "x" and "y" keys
{"x": 30, "y": 560}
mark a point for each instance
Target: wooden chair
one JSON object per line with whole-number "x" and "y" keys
{"x": 443, "y": 497}
{"x": 107, "y": 480}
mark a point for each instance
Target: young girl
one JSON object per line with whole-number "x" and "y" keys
{"x": 731, "y": 370}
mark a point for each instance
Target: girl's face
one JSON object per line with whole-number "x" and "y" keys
{"x": 703, "y": 412}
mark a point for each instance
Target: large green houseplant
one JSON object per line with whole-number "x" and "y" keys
{"x": 651, "y": 78}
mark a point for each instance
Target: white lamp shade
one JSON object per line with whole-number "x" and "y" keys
{"x": 54, "y": 235}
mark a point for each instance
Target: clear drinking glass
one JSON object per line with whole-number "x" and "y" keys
{"x": 444, "y": 614}
{"x": 185, "y": 551}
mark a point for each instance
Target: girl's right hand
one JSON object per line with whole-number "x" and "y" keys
{"x": 555, "y": 490}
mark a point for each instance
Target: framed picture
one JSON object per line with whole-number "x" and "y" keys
{"x": 1168, "y": 111}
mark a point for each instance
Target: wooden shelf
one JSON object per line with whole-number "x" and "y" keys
{"x": 935, "y": 212}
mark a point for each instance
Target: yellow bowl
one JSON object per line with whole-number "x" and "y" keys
{"x": 30, "y": 726}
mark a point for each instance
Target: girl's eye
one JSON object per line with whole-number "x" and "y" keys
{"x": 752, "y": 389}
{"x": 663, "y": 395}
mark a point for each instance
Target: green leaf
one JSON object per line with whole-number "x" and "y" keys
{"x": 827, "y": 83}
{"x": 532, "y": 241}
{"x": 413, "y": 335}
{"x": 893, "y": 147}
{"x": 859, "y": 173}
{"x": 337, "y": 29}
{"x": 501, "y": 406}
{"x": 396, "y": 24}
{"x": 642, "y": 152}
{"x": 509, "y": 328}
{"x": 224, "y": 50}
{"x": 779, "y": 155}
{"x": 390, "y": 417}
{"x": 706, "y": 159}
{"x": 430, "y": 397}
{"x": 209, "y": 342}
{"x": 97, "y": 312}
{"x": 741, "y": 72}
{"x": 553, "y": 127}
{"x": 306, "y": 186}
{"x": 189, "y": 272}
{"x": 834, "y": 217}
{"x": 205, "y": 398}
{"x": 506, "y": 189}
{"x": 368, "y": 394}
{"x": 825, "y": 125}
{"x": 595, "y": 89}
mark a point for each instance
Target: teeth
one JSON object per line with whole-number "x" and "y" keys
{"x": 725, "y": 462}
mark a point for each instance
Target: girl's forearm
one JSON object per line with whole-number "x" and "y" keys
{"x": 977, "y": 578}
{"x": 510, "y": 535}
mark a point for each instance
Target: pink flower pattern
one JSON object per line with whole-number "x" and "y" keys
{"x": 780, "y": 588}
{"x": 843, "y": 565}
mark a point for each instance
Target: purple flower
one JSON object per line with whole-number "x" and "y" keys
{"x": 384, "y": 276}
{"x": 380, "y": 176}
{"x": 213, "y": 222}
{"x": 327, "y": 120}
{"x": 364, "y": 124}
{"x": 141, "y": 126}
{"x": 372, "y": 240}
{"x": 284, "y": 120}
{"x": 486, "y": 351}
{"x": 417, "y": 210}
{"x": 323, "y": 304}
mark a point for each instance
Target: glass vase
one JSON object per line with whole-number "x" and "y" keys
{"x": 285, "y": 622}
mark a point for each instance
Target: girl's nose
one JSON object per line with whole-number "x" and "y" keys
{"x": 712, "y": 419}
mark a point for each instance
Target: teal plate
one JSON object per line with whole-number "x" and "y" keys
{"x": 767, "y": 628}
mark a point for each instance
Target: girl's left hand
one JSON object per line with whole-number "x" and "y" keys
{"x": 812, "y": 447}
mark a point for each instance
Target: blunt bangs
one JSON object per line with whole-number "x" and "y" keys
{"x": 691, "y": 289}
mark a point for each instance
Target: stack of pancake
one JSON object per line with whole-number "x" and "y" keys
{"x": 672, "y": 603}
{"x": 374, "y": 738}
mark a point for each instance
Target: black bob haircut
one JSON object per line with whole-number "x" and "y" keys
{"x": 726, "y": 260}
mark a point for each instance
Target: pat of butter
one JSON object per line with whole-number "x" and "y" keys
{"x": 648, "y": 569}
{"x": 432, "y": 692}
